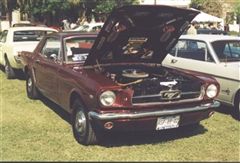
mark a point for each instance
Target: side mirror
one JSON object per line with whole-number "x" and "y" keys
{"x": 53, "y": 57}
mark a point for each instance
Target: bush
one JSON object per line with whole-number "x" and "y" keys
{"x": 234, "y": 33}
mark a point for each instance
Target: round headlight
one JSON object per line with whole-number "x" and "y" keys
{"x": 107, "y": 98}
{"x": 211, "y": 91}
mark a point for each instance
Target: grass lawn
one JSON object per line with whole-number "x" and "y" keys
{"x": 38, "y": 130}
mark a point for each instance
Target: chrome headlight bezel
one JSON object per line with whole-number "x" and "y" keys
{"x": 211, "y": 91}
{"x": 107, "y": 98}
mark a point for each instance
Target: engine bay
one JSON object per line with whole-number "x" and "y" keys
{"x": 153, "y": 82}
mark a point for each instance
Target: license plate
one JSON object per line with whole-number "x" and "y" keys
{"x": 167, "y": 122}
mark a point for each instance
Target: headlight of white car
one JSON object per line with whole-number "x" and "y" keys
{"x": 107, "y": 98}
{"x": 212, "y": 91}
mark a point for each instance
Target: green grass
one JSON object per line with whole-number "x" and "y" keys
{"x": 38, "y": 130}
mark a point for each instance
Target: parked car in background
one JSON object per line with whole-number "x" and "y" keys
{"x": 211, "y": 31}
{"x": 218, "y": 56}
{"x": 23, "y": 25}
{"x": 15, "y": 40}
{"x": 4, "y": 24}
{"x": 90, "y": 27}
{"x": 118, "y": 83}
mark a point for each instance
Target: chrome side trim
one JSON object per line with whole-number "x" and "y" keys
{"x": 222, "y": 77}
{"x": 134, "y": 115}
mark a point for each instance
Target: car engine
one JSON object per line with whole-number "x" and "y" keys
{"x": 155, "y": 84}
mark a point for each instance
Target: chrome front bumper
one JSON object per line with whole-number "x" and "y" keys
{"x": 138, "y": 114}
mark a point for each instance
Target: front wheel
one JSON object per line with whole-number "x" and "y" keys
{"x": 82, "y": 127}
{"x": 31, "y": 89}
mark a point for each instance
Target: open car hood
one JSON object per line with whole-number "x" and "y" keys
{"x": 139, "y": 34}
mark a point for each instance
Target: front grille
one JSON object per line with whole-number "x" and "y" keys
{"x": 158, "y": 98}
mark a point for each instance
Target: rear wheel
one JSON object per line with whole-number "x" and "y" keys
{"x": 10, "y": 74}
{"x": 31, "y": 89}
{"x": 237, "y": 106}
{"x": 82, "y": 127}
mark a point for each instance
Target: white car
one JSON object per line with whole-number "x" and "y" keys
{"x": 89, "y": 27}
{"x": 216, "y": 55}
{"x": 17, "y": 39}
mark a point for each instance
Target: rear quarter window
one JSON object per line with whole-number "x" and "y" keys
{"x": 192, "y": 49}
{"x": 33, "y": 35}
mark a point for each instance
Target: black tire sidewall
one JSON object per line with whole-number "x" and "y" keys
{"x": 80, "y": 138}
{"x": 84, "y": 139}
{"x": 33, "y": 94}
{"x": 236, "y": 106}
{"x": 10, "y": 74}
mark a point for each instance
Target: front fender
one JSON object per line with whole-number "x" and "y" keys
{"x": 87, "y": 99}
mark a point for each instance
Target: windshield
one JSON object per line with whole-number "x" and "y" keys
{"x": 227, "y": 50}
{"x": 77, "y": 48}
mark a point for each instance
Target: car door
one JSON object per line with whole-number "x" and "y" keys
{"x": 228, "y": 53}
{"x": 46, "y": 68}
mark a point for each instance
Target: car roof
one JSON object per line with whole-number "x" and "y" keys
{"x": 209, "y": 37}
{"x": 72, "y": 33}
{"x": 31, "y": 28}
{"x": 23, "y": 25}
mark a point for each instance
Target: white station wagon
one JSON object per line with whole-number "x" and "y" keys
{"x": 216, "y": 55}
{"x": 15, "y": 40}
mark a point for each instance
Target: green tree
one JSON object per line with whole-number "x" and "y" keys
{"x": 106, "y": 6}
{"x": 197, "y": 4}
{"x": 48, "y": 9}
{"x": 52, "y": 11}
{"x": 211, "y": 7}
{"x": 74, "y": 2}
{"x": 237, "y": 9}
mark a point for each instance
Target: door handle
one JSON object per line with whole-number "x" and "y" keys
{"x": 37, "y": 61}
{"x": 174, "y": 61}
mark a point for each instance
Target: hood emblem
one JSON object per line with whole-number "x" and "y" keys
{"x": 170, "y": 95}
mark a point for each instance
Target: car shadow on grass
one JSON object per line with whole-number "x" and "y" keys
{"x": 227, "y": 110}
{"x": 56, "y": 109}
{"x": 114, "y": 139}
{"x": 2, "y": 69}
{"x": 19, "y": 73}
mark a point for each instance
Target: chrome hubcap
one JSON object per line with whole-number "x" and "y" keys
{"x": 29, "y": 84}
{"x": 80, "y": 122}
{"x": 239, "y": 106}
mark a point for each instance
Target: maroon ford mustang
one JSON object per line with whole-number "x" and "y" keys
{"x": 116, "y": 81}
